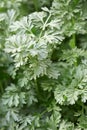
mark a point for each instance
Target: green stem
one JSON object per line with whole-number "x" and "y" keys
{"x": 41, "y": 114}
{"x": 44, "y": 26}
{"x": 72, "y": 42}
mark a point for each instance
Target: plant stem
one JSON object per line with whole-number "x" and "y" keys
{"x": 44, "y": 26}
{"x": 72, "y": 42}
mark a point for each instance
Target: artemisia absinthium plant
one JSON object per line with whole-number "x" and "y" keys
{"x": 44, "y": 65}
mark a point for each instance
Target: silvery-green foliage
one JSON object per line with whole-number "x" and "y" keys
{"x": 43, "y": 65}
{"x": 32, "y": 43}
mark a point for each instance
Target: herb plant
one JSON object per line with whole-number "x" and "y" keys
{"x": 43, "y": 65}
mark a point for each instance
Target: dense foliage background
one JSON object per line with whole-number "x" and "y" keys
{"x": 43, "y": 65}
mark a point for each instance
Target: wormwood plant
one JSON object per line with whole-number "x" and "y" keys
{"x": 44, "y": 66}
